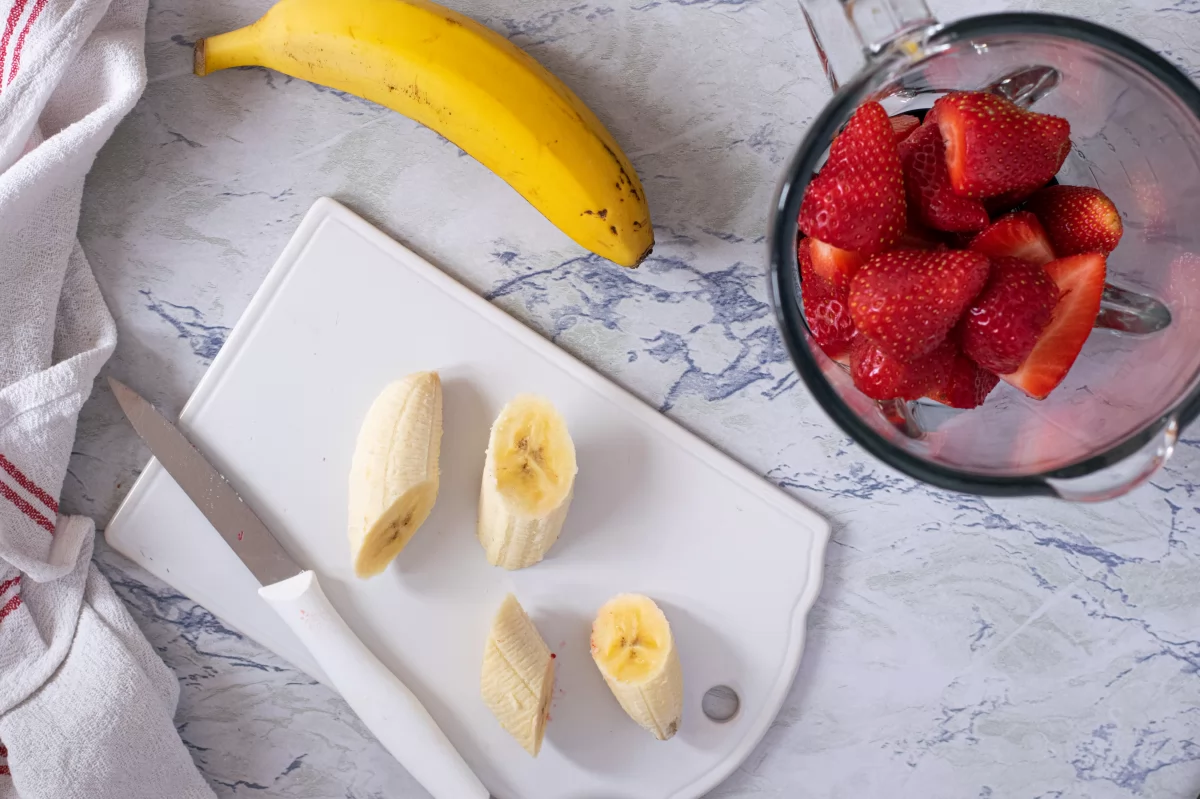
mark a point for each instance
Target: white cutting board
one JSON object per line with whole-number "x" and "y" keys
{"x": 734, "y": 562}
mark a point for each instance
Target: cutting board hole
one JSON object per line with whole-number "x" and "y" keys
{"x": 720, "y": 703}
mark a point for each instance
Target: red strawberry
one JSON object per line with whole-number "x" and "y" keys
{"x": 880, "y": 376}
{"x": 825, "y": 309}
{"x": 966, "y": 385}
{"x": 1078, "y": 219}
{"x": 923, "y": 159}
{"x": 1001, "y": 327}
{"x": 835, "y": 266}
{"x": 1018, "y": 235}
{"x": 906, "y": 301}
{"x": 903, "y": 125}
{"x": 994, "y": 146}
{"x": 1080, "y": 281}
{"x": 856, "y": 202}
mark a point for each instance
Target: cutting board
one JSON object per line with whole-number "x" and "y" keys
{"x": 734, "y": 562}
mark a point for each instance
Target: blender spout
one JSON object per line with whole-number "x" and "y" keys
{"x": 849, "y": 34}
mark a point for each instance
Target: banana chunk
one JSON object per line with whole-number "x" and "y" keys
{"x": 635, "y": 652}
{"x": 394, "y": 473}
{"x": 528, "y": 479}
{"x": 517, "y": 682}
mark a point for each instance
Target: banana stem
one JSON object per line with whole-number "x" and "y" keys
{"x": 239, "y": 48}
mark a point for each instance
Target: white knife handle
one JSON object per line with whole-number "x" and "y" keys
{"x": 377, "y": 696}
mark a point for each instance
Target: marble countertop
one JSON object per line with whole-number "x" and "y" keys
{"x": 961, "y": 647}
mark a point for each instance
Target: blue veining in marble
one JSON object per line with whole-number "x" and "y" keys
{"x": 205, "y": 340}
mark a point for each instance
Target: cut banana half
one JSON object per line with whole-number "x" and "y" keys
{"x": 394, "y": 473}
{"x": 635, "y": 652}
{"x": 528, "y": 478}
{"x": 518, "y": 675}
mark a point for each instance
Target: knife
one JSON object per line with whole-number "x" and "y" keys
{"x": 377, "y": 696}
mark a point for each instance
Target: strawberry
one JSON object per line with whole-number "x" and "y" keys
{"x": 881, "y": 377}
{"x": 966, "y": 385}
{"x": 1018, "y": 235}
{"x": 994, "y": 146}
{"x": 923, "y": 159}
{"x": 825, "y": 308}
{"x": 919, "y": 237}
{"x": 903, "y": 125}
{"x": 1002, "y": 326}
{"x": 856, "y": 202}
{"x": 1003, "y": 203}
{"x": 835, "y": 266}
{"x": 906, "y": 301}
{"x": 1077, "y": 219}
{"x": 1080, "y": 281}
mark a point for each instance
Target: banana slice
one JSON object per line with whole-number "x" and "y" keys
{"x": 528, "y": 477}
{"x": 394, "y": 473}
{"x": 635, "y": 652}
{"x": 518, "y": 675}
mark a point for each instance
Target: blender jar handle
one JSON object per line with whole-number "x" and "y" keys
{"x": 850, "y": 33}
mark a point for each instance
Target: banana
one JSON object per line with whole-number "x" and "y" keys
{"x": 394, "y": 473}
{"x": 469, "y": 84}
{"x": 635, "y": 652}
{"x": 528, "y": 480}
{"x": 517, "y": 682}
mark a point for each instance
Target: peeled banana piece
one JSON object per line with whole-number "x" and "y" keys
{"x": 635, "y": 652}
{"x": 528, "y": 480}
{"x": 472, "y": 86}
{"x": 517, "y": 682}
{"x": 394, "y": 473}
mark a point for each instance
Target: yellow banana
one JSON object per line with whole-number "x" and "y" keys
{"x": 469, "y": 84}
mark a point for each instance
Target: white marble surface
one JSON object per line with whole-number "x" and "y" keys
{"x": 961, "y": 647}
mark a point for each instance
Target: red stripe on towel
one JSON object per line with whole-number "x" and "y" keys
{"x": 14, "y": 16}
{"x": 3, "y": 750}
{"x": 16, "y": 61}
{"x": 4, "y": 772}
{"x": 10, "y": 606}
{"x": 28, "y": 484}
{"x": 26, "y": 508}
{"x": 4, "y": 586}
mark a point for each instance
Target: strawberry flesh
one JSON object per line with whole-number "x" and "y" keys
{"x": 826, "y": 309}
{"x": 966, "y": 386}
{"x": 927, "y": 182}
{"x": 1017, "y": 235}
{"x": 856, "y": 202}
{"x": 882, "y": 377}
{"x": 835, "y": 266}
{"x": 1002, "y": 326}
{"x": 1080, "y": 282}
{"x": 906, "y": 301}
{"x": 994, "y": 146}
{"x": 903, "y": 125}
{"x": 1078, "y": 219}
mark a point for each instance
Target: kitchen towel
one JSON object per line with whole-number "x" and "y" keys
{"x": 86, "y": 706}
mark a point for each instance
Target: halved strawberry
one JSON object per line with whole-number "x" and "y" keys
{"x": 903, "y": 125}
{"x": 881, "y": 377}
{"x": 1077, "y": 219}
{"x": 966, "y": 385}
{"x": 923, "y": 160}
{"x": 1080, "y": 281}
{"x": 856, "y": 202}
{"x": 1002, "y": 326}
{"x": 1018, "y": 235}
{"x": 835, "y": 266}
{"x": 994, "y": 146}
{"x": 825, "y": 308}
{"x": 906, "y": 301}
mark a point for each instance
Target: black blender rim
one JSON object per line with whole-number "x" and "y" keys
{"x": 784, "y": 229}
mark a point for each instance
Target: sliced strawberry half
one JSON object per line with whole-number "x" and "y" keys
{"x": 1080, "y": 281}
{"x": 903, "y": 125}
{"x": 994, "y": 146}
{"x": 1077, "y": 219}
{"x": 906, "y": 301}
{"x": 834, "y": 265}
{"x": 966, "y": 385}
{"x": 856, "y": 202}
{"x": 927, "y": 183}
{"x": 1017, "y": 235}
{"x": 826, "y": 309}
{"x": 882, "y": 377}
{"x": 1002, "y": 326}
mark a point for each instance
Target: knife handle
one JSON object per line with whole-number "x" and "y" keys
{"x": 377, "y": 696}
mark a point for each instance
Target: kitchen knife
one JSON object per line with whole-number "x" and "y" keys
{"x": 377, "y": 696}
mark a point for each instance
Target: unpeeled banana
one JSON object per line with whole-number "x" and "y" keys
{"x": 469, "y": 84}
{"x": 635, "y": 652}
{"x": 394, "y": 472}
{"x": 528, "y": 480}
{"x": 517, "y": 682}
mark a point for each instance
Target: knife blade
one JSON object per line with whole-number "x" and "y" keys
{"x": 389, "y": 709}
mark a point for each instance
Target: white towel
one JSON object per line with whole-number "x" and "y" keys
{"x": 86, "y": 706}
